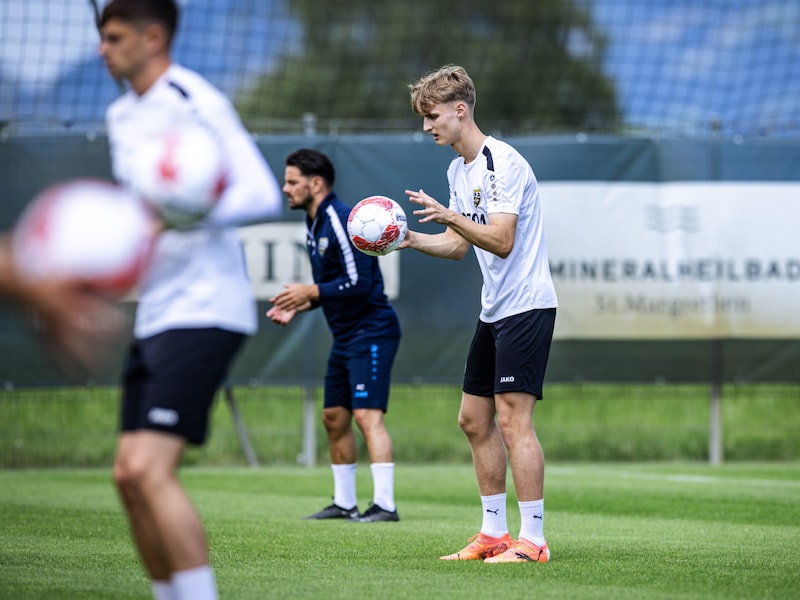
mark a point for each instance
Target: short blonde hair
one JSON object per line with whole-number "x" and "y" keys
{"x": 446, "y": 84}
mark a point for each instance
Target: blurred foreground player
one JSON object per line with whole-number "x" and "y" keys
{"x": 196, "y": 305}
{"x": 494, "y": 208}
{"x": 348, "y": 285}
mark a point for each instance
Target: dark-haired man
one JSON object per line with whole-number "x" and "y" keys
{"x": 348, "y": 285}
{"x": 196, "y": 304}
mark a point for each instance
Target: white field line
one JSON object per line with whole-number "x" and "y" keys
{"x": 671, "y": 477}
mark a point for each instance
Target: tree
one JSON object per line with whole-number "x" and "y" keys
{"x": 536, "y": 64}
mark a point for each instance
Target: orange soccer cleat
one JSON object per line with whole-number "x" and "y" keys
{"x": 480, "y": 547}
{"x": 522, "y": 551}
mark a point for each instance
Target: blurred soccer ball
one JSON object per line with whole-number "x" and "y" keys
{"x": 89, "y": 230}
{"x": 377, "y": 225}
{"x": 180, "y": 173}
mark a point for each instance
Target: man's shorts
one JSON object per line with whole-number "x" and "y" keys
{"x": 510, "y": 355}
{"x": 359, "y": 374}
{"x": 170, "y": 380}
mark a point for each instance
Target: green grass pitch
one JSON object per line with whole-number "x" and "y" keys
{"x": 637, "y": 531}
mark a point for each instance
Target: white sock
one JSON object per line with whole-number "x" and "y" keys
{"x": 383, "y": 485}
{"x": 494, "y": 515}
{"x": 532, "y": 521}
{"x": 162, "y": 590}
{"x": 344, "y": 486}
{"x": 194, "y": 584}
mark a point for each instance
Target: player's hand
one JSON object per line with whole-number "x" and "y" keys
{"x": 407, "y": 241}
{"x": 293, "y": 296}
{"x": 78, "y": 323}
{"x": 279, "y": 316}
{"x": 432, "y": 210}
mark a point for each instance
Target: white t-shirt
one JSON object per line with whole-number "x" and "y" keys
{"x": 197, "y": 277}
{"x": 500, "y": 180}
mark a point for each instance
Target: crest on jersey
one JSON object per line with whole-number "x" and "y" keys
{"x": 476, "y": 196}
{"x": 323, "y": 245}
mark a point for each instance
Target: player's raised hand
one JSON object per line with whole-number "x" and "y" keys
{"x": 432, "y": 210}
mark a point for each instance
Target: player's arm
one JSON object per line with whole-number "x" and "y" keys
{"x": 497, "y": 236}
{"x": 447, "y": 244}
{"x": 252, "y": 194}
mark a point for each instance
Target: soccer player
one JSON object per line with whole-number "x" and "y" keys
{"x": 196, "y": 304}
{"x": 493, "y": 207}
{"x": 348, "y": 285}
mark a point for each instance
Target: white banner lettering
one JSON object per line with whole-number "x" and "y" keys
{"x": 276, "y": 254}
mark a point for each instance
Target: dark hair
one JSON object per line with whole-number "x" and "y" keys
{"x": 143, "y": 12}
{"x": 312, "y": 162}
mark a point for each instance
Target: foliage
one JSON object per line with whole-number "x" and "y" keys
{"x": 536, "y": 65}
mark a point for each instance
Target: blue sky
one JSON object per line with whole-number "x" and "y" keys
{"x": 677, "y": 64}
{"x": 691, "y": 61}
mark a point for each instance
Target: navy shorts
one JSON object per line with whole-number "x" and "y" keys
{"x": 510, "y": 355}
{"x": 359, "y": 374}
{"x": 170, "y": 380}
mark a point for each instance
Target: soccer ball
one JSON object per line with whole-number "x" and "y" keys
{"x": 180, "y": 173}
{"x": 89, "y": 230}
{"x": 377, "y": 225}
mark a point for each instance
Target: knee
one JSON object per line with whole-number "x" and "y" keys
{"x": 127, "y": 477}
{"x": 515, "y": 430}
{"x": 133, "y": 477}
{"x": 336, "y": 422}
{"x": 472, "y": 427}
{"x": 369, "y": 420}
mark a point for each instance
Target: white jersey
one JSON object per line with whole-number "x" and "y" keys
{"x": 197, "y": 277}
{"x": 500, "y": 180}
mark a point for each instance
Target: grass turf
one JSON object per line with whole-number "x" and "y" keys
{"x": 674, "y": 530}
{"x": 76, "y": 427}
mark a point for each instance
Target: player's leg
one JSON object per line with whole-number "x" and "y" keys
{"x": 523, "y": 346}
{"x": 164, "y": 523}
{"x": 476, "y": 417}
{"x": 170, "y": 384}
{"x": 337, "y": 419}
{"x": 370, "y": 370}
{"x": 477, "y": 420}
{"x": 515, "y": 422}
{"x": 379, "y": 444}
{"x": 146, "y": 535}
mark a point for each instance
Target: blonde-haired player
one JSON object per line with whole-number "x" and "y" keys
{"x": 493, "y": 207}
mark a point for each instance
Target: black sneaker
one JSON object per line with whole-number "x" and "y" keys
{"x": 335, "y": 511}
{"x": 374, "y": 514}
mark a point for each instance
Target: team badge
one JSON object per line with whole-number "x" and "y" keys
{"x": 476, "y": 196}
{"x": 323, "y": 245}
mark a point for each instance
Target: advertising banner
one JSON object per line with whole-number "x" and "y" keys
{"x": 697, "y": 260}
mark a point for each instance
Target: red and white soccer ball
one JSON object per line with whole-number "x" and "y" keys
{"x": 377, "y": 225}
{"x": 89, "y": 230}
{"x": 180, "y": 173}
